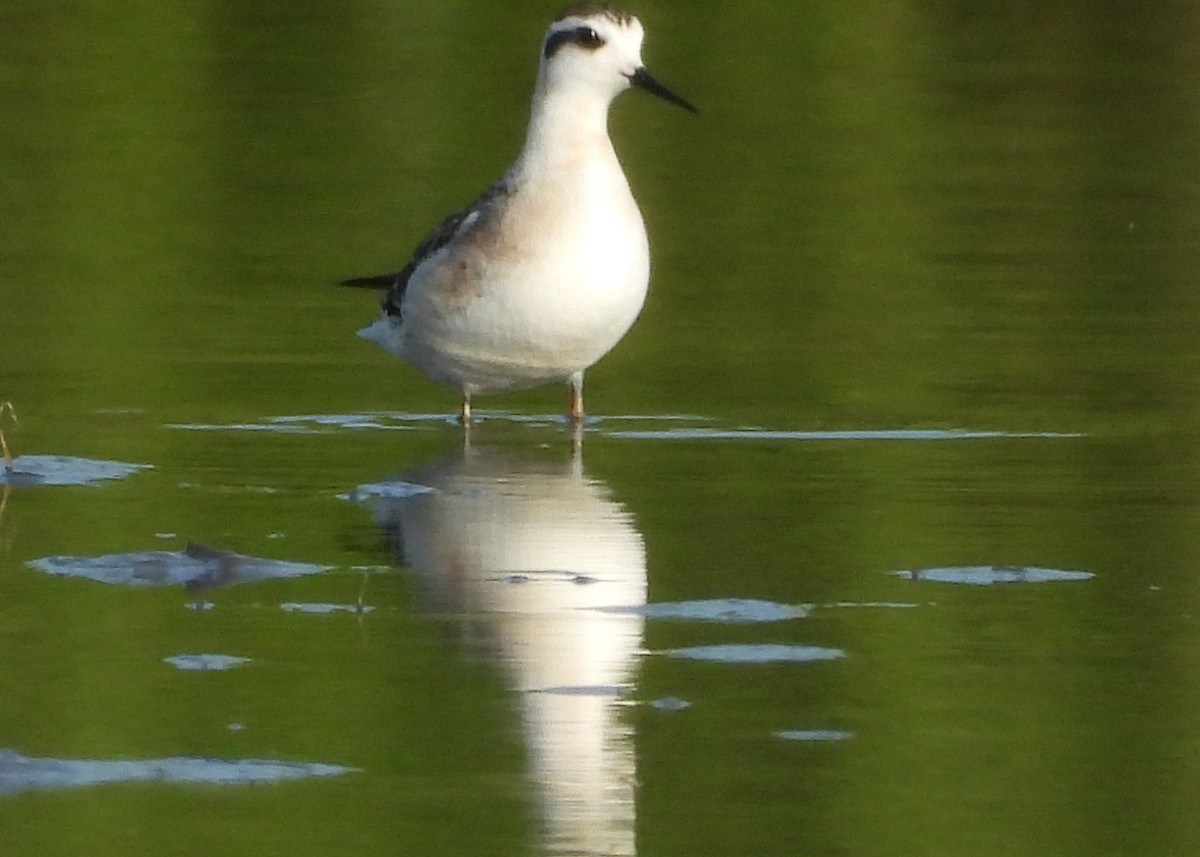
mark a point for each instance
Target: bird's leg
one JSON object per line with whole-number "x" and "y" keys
{"x": 576, "y": 412}
{"x": 12, "y": 412}
{"x": 362, "y": 597}
{"x": 464, "y": 415}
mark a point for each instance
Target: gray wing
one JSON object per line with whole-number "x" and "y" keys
{"x": 442, "y": 234}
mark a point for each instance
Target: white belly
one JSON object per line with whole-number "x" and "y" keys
{"x": 544, "y": 293}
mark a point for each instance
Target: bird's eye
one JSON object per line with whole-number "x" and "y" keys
{"x": 588, "y": 38}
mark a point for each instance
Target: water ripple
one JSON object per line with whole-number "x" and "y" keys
{"x": 987, "y": 575}
{"x": 757, "y": 654}
{"x": 20, "y": 773}
{"x": 703, "y": 433}
{"x": 196, "y": 566}
{"x": 64, "y": 470}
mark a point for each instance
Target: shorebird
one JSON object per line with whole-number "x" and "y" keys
{"x": 547, "y": 270}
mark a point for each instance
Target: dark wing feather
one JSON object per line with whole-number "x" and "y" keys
{"x": 442, "y": 234}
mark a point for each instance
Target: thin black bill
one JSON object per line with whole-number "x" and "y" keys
{"x": 643, "y": 79}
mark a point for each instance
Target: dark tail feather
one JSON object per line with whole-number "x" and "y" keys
{"x": 379, "y": 281}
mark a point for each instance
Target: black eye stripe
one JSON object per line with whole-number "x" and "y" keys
{"x": 585, "y": 37}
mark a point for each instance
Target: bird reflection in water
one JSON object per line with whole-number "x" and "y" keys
{"x": 538, "y": 555}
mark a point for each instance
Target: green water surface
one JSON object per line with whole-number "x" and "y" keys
{"x": 886, "y": 218}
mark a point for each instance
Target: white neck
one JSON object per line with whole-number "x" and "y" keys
{"x": 568, "y": 124}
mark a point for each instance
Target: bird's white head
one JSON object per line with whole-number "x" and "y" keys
{"x": 593, "y": 50}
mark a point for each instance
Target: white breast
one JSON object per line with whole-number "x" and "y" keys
{"x": 542, "y": 290}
